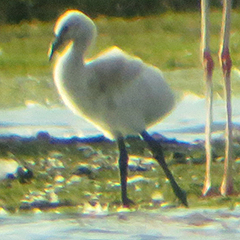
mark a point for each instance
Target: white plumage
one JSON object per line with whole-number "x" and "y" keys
{"x": 118, "y": 93}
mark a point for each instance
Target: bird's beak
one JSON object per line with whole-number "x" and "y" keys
{"x": 54, "y": 47}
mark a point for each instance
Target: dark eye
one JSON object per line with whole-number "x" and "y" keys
{"x": 65, "y": 29}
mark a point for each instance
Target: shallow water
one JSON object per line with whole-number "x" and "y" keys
{"x": 185, "y": 123}
{"x": 164, "y": 224}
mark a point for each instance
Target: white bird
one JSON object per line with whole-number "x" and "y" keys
{"x": 226, "y": 64}
{"x": 120, "y": 94}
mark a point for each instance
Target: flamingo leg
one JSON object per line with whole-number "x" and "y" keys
{"x": 226, "y": 64}
{"x": 157, "y": 152}
{"x": 208, "y": 66}
{"x": 123, "y": 165}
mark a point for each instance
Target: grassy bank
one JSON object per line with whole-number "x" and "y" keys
{"x": 169, "y": 41}
{"x": 66, "y": 177}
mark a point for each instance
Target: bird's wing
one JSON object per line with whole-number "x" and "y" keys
{"x": 114, "y": 69}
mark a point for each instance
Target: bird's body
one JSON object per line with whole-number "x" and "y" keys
{"x": 118, "y": 93}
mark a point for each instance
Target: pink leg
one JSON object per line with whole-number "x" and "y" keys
{"x": 226, "y": 64}
{"x": 208, "y": 66}
{"x": 208, "y": 69}
{"x": 227, "y": 183}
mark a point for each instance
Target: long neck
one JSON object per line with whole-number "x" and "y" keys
{"x": 69, "y": 74}
{"x": 77, "y": 53}
{"x": 80, "y": 46}
{"x": 69, "y": 65}
{"x": 71, "y": 69}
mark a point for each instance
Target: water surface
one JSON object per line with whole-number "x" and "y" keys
{"x": 185, "y": 123}
{"x": 165, "y": 224}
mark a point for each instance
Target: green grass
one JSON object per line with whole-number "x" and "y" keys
{"x": 170, "y": 41}
{"x": 190, "y": 177}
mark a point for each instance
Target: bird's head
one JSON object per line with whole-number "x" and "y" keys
{"x": 74, "y": 26}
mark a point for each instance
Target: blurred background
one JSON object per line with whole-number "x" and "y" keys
{"x": 165, "y": 33}
{"x": 14, "y": 11}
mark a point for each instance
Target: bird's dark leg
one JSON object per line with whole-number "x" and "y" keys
{"x": 157, "y": 151}
{"x": 123, "y": 165}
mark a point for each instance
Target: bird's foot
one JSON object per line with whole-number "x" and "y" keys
{"x": 209, "y": 191}
{"x": 127, "y": 203}
{"x": 226, "y": 187}
{"x": 182, "y": 196}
